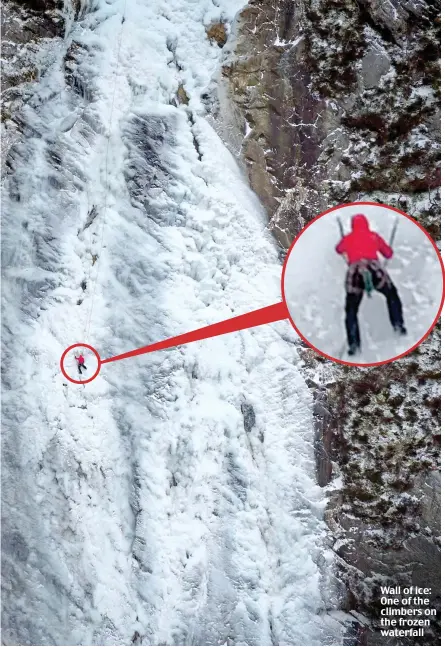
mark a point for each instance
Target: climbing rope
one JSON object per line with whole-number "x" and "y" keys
{"x": 367, "y": 279}
{"x": 107, "y": 186}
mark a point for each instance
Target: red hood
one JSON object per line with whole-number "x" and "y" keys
{"x": 362, "y": 243}
{"x": 359, "y": 222}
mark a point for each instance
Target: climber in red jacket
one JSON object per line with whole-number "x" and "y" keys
{"x": 80, "y": 362}
{"x": 361, "y": 248}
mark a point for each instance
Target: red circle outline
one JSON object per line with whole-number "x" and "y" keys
{"x": 90, "y": 379}
{"x": 387, "y": 361}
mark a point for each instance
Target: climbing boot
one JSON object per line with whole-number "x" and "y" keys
{"x": 353, "y": 349}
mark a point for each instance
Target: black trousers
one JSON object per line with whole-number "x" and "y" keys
{"x": 79, "y": 366}
{"x": 355, "y": 286}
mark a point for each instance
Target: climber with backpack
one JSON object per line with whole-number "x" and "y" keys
{"x": 365, "y": 273}
{"x": 80, "y": 362}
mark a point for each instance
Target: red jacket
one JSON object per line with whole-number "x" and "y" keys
{"x": 80, "y": 359}
{"x": 362, "y": 243}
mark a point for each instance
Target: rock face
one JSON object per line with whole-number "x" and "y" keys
{"x": 338, "y": 102}
{"x": 341, "y": 103}
{"x": 382, "y": 437}
{"x": 29, "y": 29}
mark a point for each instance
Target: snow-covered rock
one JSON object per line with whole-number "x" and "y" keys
{"x": 342, "y": 102}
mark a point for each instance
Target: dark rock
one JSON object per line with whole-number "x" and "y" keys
{"x": 342, "y": 102}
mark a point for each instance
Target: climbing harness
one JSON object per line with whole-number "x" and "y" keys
{"x": 371, "y": 272}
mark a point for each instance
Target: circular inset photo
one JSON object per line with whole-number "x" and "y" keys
{"x": 80, "y": 363}
{"x": 363, "y": 284}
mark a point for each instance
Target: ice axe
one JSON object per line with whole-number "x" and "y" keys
{"x": 340, "y": 226}
{"x": 391, "y": 238}
{"x": 342, "y": 231}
